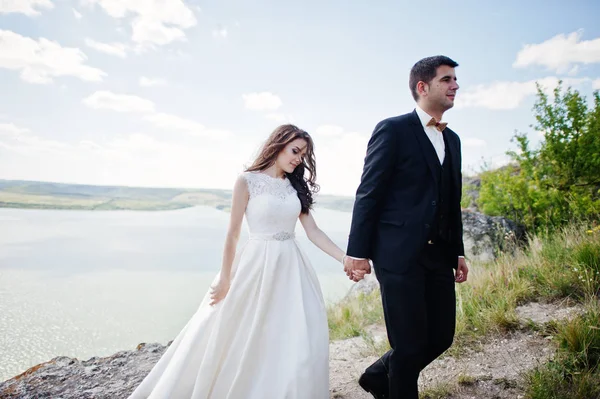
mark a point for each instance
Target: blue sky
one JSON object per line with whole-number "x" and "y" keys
{"x": 182, "y": 93}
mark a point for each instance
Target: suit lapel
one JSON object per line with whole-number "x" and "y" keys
{"x": 426, "y": 147}
{"x": 452, "y": 145}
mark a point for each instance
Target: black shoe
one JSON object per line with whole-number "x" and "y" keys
{"x": 376, "y": 388}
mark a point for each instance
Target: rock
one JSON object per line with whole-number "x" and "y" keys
{"x": 471, "y": 187}
{"x": 100, "y": 378}
{"x": 541, "y": 313}
{"x": 364, "y": 286}
{"x": 486, "y": 236}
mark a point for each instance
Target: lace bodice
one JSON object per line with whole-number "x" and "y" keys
{"x": 273, "y": 207}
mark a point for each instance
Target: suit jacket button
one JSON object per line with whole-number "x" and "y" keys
{"x": 433, "y": 203}
{"x": 427, "y": 226}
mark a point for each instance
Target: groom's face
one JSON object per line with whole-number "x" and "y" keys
{"x": 441, "y": 91}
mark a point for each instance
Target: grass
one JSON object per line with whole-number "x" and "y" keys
{"x": 64, "y": 202}
{"x": 574, "y": 373}
{"x": 351, "y": 318}
{"x": 466, "y": 380}
{"x": 563, "y": 265}
{"x": 440, "y": 391}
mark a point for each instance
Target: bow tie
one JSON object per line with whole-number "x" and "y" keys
{"x": 438, "y": 125}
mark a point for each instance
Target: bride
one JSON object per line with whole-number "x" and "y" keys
{"x": 261, "y": 332}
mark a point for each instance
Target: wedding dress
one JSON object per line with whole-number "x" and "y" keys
{"x": 268, "y": 338}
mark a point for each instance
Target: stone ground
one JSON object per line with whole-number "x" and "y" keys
{"x": 492, "y": 370}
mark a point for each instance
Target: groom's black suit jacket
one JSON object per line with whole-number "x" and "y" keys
{"x": 397, "y": 199}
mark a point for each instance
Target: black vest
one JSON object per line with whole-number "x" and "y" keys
{"x": 441, "y": 224}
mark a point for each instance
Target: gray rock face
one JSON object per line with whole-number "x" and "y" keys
{"x": 471, "y": 186}
{"x": 484, "y": 238}
{"x": 364, "y": 286}
{"x": 111, "y": 377}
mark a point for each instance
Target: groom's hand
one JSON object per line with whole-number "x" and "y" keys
{"x": 358, "y": 275}
{"x": 351, "y": 265}
{"x": 462, "y": 271}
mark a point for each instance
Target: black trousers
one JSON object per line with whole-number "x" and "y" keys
{"x": 419, "y": 305}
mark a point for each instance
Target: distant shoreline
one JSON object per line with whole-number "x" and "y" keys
{"x": 21, "y": 194}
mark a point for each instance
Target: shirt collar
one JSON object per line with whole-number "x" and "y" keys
{"x": 424, "y": 117}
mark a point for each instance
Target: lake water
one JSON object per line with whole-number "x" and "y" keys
{"x": 83, "y": 283}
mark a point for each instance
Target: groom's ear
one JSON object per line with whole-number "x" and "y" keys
{"x": 422, "y": 88}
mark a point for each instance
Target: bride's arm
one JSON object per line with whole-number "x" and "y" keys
{"x": 238, "y": 207}
{"x": 319, "y": 238}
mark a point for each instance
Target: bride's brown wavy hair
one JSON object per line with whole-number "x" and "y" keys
{"x": 304, "y": 176}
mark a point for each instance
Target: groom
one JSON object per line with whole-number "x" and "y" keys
{"x": 407, "y": 220}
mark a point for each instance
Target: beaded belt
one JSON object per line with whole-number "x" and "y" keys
{"x": 281, "y": 236}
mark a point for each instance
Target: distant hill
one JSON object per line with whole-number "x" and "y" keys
{"x": 48, "y": 195}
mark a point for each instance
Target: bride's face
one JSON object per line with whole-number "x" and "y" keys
{"x": 292, "y": 155}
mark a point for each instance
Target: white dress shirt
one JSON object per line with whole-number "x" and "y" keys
{"x": 435, "y": 136}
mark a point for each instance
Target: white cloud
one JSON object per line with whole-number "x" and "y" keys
{"x": 276, "y": 116}
{"x": 174, "y": 122}
{"x": 573, "y": 71}
{"x": 497, "y": 95}
{"x": 77, "y": 14}
{"x": 10, "y": 129}
{"x": 133, "y": 104}
{"x": 137, "y": 142}
{"x": 216, "y": 133}
{"x": 168, "y": 121}
{"x": 27, "y": 7}
{"x": 104, "y": 99}
{"x": 89, "y": 145}
{"x": 498, "y": 161}
{"x": 279, "y": 117}
{"x": 154, "y": 22}
{"x": 263, "y": 101}
{"x": 507, "y": 95}
{"x": 220, "y": 32}
{"x": 474, "y": 142}
{"x": 117, "y": 49}
{"x": 139, "y": 159}
{"x": 339, "y": 150}
{"x": 148, "y": 33}
{"x": 150, "y": 82}
{"x": 329, "y": 130}
{"x": 41, "y": 60}
{"x": 474, "y": 162}
{"x": 596, "y": 84}
{"x": 42, "y": 143}
{"x": 21, "y": 141}
{"x": 135, "y": 159}
{"x": 560, "y": 52}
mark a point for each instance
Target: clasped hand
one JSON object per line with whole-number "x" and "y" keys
{"x": 356, "y": 269}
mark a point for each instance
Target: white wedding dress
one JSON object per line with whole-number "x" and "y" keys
{"x": 268, "y": 339}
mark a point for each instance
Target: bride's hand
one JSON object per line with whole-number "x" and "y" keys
{"x": 358, "y": 275}
{"x": 219, "y": 291}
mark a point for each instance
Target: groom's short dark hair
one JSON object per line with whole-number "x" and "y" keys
{"x": 425, "y": 70}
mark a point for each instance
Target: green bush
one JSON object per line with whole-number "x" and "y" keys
{"x": 559, "y": 182}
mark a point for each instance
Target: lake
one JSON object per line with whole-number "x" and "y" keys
{"x": 91, "y": 283}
